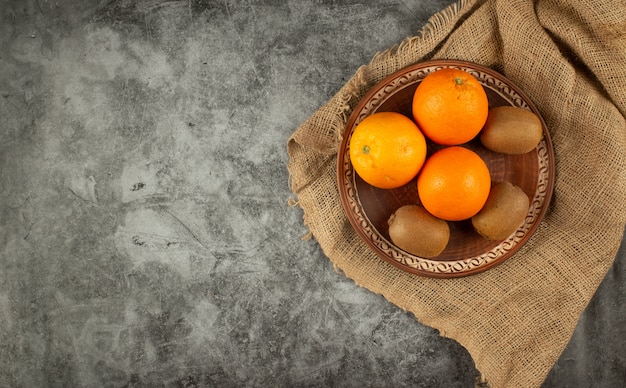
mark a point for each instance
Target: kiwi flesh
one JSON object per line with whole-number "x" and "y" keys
{"x": 511, "y": 130}
{"x": 413, "y": 229}
{"x": 504, "y": 211}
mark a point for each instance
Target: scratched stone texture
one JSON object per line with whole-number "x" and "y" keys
{"x": 145, "y": 236}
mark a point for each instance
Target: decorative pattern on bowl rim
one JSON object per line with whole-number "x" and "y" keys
{"x": 471, "y": 264}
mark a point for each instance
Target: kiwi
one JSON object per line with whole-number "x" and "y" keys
{"x": 504, "y": 211}
{"x": 413, "y": 229}
{"x": 511, "y": 130}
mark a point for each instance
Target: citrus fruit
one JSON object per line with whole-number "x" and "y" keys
{"x": 387, "y": 149}
{"x": 454, "y": 183}
{"x": 450, "y": 106}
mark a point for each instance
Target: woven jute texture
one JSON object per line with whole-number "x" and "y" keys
{"x": 569, "y": 56}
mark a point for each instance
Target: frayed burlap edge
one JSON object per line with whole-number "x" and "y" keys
{"x": 419, "y": 48}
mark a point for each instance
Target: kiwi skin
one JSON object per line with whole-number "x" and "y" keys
{"x": 511, "y": 130}
{"x": 413, "y": 229}
{"x": 504, "y": 211}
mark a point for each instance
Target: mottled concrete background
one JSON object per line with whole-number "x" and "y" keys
{"x": 145, "y": 234}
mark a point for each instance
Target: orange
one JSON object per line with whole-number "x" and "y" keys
{"x": 450, "y": 106}
{"x": 387, "y": 149}
{"x": 454, "y": 183}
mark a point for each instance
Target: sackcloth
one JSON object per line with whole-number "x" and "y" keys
{"x": 569, "y": 57}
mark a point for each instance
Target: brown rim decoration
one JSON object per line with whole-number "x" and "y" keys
{"x": 368, "y": 208}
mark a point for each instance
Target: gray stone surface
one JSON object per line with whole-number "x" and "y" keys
{"x": 145, "y": 237}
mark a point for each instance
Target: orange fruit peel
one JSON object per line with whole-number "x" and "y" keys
{"x": 387, "y": 150}
{"x": 450, "y": 106}
{"x": 454, "y": 183}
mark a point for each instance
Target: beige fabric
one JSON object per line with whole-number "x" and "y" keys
{"x": 569, "y": 56}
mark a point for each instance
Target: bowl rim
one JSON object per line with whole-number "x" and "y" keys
{"x": 433, "y": 267}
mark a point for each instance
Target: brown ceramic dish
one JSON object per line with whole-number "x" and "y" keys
{"x": 467, "y": 253}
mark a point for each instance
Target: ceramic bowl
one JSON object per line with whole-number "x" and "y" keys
{"x": 368, "y": 208}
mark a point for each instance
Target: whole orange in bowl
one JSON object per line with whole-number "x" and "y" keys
{"x": 387, "y": 149}
{"x": 450, "y": 106}
{"x": 454, "y": 183}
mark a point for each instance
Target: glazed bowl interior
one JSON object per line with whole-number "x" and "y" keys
{"x": 368, "y": 208}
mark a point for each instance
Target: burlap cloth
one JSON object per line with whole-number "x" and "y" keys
{"x": 570, "y": 58}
